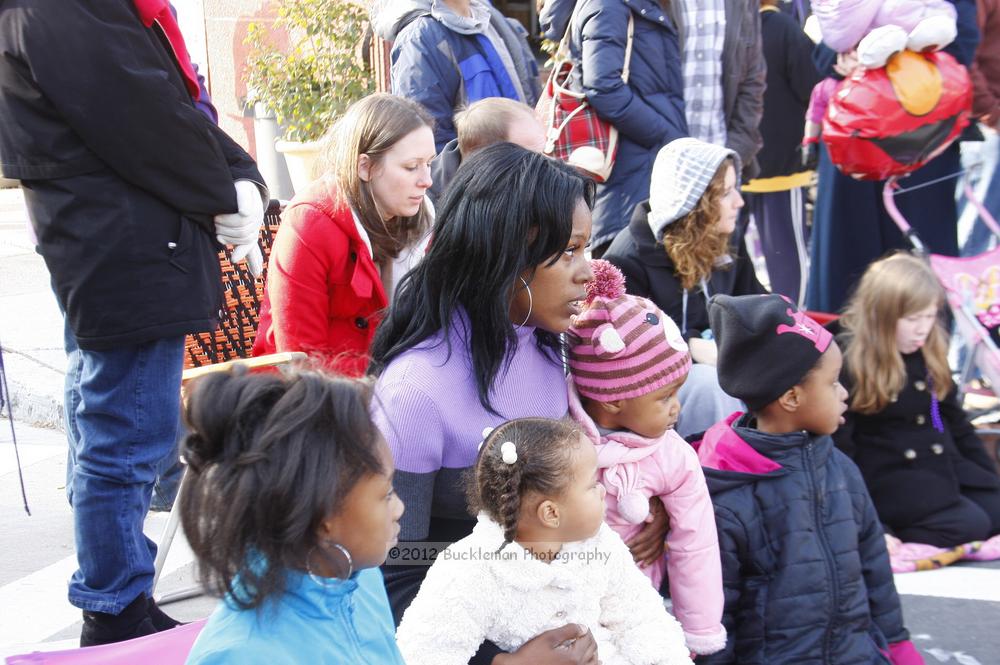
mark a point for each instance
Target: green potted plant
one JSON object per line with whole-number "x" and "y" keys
{"x": 308, "y": 79}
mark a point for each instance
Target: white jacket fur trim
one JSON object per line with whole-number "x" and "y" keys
{"x": 472, "y": 593}
{"x": 706, "y": 644}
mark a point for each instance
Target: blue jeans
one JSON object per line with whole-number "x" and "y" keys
{"x": 703, "y": 401}
{"x": 127, "y": 420}
{"x": 71, "y": 403}
{"x": 169, "y": 471}
{"x": 980, "y": 238}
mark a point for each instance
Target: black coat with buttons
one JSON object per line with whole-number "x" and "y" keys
{"x": 122, "y": 175}
{"x": 912, "y": 470}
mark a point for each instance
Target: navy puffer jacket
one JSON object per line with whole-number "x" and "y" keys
{"x": 804, "y": 565}
{"x": 648, "y": 112}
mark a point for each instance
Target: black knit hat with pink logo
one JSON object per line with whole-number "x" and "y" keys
{"x": 766, "y": 345}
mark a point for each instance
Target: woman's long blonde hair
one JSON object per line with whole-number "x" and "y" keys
{"x": 692, "y": 242}
{"x": 891, "y": 288}
{"x": 372, "y": 126}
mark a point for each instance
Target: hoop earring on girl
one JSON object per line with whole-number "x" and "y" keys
{"x": 530, "y": 304}
{"x": 325, "y": 581}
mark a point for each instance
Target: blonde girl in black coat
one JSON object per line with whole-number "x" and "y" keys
{"x": 929, "y": 476}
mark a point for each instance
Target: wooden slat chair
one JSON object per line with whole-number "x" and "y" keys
{"x": 235, "y": 335}
{"x": 230, "y": 344}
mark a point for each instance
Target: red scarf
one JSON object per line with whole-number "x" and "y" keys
{"x": 158, "y": 11}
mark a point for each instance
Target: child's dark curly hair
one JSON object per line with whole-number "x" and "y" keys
{"x": 269, "y": 458}
{"x": 544, "y": 455}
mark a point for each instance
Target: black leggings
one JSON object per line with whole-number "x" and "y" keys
{"x": 975, "y": 516}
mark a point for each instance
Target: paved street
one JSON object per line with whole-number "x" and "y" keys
{"x": 953, "y": 613}
{"x": 37, "y": 555}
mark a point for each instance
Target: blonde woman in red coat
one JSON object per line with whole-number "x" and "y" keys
{"x": 331, "y": 267}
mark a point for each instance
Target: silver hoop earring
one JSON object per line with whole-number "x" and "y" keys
{"x": 530, "y": 304}
{"x": 325, "y": 581}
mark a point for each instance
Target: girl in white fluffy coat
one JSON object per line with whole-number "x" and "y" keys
{"x": 540, "y": 556}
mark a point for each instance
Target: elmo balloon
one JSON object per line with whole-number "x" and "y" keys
{"x": 892, "y": 120}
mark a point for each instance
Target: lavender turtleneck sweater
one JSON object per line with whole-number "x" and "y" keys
{"x": 427, "y": 407}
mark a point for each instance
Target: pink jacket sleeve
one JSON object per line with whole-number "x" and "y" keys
{"x": 693, "y": 563}
{"x": 819, "y": 100}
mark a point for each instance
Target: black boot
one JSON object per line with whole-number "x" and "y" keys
{"x": 161, "y": 620}
{"x": 103, "y": 628}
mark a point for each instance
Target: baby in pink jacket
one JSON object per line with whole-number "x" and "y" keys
{"x": 627, "y": 361}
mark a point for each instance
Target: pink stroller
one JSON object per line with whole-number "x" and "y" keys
{"x": 972, "y": 286}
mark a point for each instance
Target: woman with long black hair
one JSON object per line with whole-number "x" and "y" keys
{"x": 471, "y": 341}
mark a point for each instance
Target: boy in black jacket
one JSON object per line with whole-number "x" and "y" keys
{"x": 804, "y": 564}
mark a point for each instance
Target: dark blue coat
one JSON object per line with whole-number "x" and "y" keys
{"x": 648, "y": 112}
{"x": 791, "y": 75}
{"x": 804, "y": 565}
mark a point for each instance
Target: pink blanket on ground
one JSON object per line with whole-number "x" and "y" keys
{"x": 912, "y": 557}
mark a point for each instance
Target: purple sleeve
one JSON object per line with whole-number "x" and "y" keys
{"x": 204, "y": 101}
{"x": 409, "y": 421}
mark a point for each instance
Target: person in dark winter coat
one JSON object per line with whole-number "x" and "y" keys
{"x": 851, "y": 227}
{"x": 690, "y": 190}
{"x": 928, "y": 473}
{"x": 171, "y": 470}
{"x": 776, "y": 199}
{"x": 804, "y": 562}
{"x": 128, "y": 187}
{"x": 648, "y": 111}
{"x": 675, "y": 252}
{"x": 447, "y": 54}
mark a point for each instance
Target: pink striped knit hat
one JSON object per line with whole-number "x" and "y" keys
{"x": 623, "y": 346}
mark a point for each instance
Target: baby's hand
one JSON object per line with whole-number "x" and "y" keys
{"x": 846, "y": 63}
{"x": 892, "y": 543}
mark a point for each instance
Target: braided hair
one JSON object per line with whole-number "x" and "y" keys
{"x": 543, "y": 460}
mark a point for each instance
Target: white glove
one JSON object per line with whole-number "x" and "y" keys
{"x": 241, "y": 228}
{"x": 255, "y": 260}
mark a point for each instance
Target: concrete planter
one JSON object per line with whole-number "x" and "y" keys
{"x": 301, "y": 159}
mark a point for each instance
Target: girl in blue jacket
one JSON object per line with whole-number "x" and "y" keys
{"x": 804, "y": 565}
{"x": 289, "y": 509}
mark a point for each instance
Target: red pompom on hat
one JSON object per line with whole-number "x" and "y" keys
{"x": 608, "y": 282}
{"x": 622, "y": 346}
